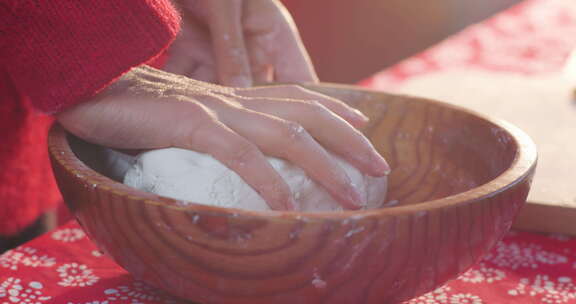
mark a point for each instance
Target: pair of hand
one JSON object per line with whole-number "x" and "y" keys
{"x": 148, "y": 108}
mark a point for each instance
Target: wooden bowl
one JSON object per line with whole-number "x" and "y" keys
{"x": 458, "y": 181}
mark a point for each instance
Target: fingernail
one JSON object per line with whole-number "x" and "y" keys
{"x": 360, "y": 115}
{"x": 374, "y": 164}
{"x": 269, "y": 73}
{"x": 290, "y": 204}
{"x": 379, "y": 164}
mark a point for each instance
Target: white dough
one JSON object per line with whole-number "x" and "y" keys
{"x": 195, "y": 177}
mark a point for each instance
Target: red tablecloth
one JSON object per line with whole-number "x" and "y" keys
{"x": 532, "y": 38}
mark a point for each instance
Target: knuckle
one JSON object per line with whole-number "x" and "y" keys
{"x": 292, "y": 133}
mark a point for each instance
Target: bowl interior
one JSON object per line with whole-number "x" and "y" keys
{"x": 435, "y": 149}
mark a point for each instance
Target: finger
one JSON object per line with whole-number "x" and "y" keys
{"x": 228, "y": 42}
{"x": 261, "y": 67}
{"x": 191, "y": 49}
{"x": 205, "y": 134}
{"x": 328, "y": 129}
{"x": 277, "y": 36}
{"x": 289, "y": 140}
{"x": 261, "y": 64}
{"x": 351, "y": 115}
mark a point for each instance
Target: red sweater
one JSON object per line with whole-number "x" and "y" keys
{"x": 54, "y": 54}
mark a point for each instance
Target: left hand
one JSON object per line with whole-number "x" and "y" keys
{"x": 239, "y": 43}
{"x": 150, "y": 109}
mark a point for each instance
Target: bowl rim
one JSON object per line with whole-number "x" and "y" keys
{"x": 521, "y": 167}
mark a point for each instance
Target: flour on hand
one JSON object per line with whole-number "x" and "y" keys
{"x": 196, "y": 177}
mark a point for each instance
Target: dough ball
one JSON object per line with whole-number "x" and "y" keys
{"x": 196, "y": 177}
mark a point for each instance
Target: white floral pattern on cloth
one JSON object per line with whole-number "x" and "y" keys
{"x": 560, "y": 290}
{"x": 482, "y": 274}
{"x": 68, "y": 234}
{"x": 137, "y": 292}
{"x": 444, "y": 295}
{"x": 14, "y": 290}
{"x": 509, "y": 256}
{"x": 515, "y": 255}
{"x": 465, "y": 298}
{"x": 440, "y": 296}
{"x": 76, "y": 275}
{"x": 26, "y": 256}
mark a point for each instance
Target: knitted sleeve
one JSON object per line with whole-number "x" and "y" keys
{"x": 59, "y": 53}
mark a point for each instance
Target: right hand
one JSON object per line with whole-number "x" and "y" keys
{"x": 239, "y": 43}
{"x": 151, "y": 109}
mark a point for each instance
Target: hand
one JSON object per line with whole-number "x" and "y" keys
{"x": 149, "y": 109}
{"x": 239, "y": 43}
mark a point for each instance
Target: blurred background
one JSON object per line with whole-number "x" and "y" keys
{"x": 351, "y": 40}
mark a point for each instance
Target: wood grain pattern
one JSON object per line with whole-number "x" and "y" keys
{"x": 459, "y": 180}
